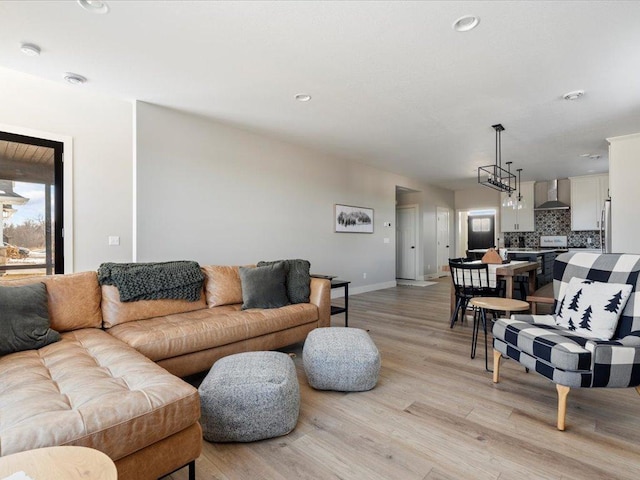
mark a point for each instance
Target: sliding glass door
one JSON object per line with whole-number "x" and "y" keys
{"x": 31, "y": 198}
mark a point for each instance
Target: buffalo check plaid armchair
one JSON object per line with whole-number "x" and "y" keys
{"x": 562, "y": 354}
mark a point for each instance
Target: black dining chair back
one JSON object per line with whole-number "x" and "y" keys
{"x": 470, "y": 279}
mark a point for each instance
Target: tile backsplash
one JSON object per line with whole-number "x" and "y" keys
{"x": 554, "y": 222}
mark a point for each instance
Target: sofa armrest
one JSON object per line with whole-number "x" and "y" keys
{"x": 321, "y": 298}
{"x": 614, "y": 364}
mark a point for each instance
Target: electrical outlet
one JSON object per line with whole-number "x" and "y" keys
{"x": 114, "y": 240}
{"x": 364, "y": 275}
{"x": 589, "y": 240}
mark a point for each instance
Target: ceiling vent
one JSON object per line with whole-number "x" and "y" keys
{"x": 552, "y": 202}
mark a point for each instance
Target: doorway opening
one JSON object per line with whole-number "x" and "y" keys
{"x": 31, "y": 195}
{"x": 443, "y": 252}
{"x": 480, "y": 230}
{"x": 406, "y": 242}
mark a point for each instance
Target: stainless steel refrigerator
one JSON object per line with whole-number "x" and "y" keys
{"x": 605, "y": 227}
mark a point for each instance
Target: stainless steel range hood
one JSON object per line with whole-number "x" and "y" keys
{"x": 552, "y": 202}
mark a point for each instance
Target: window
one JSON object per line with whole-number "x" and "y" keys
{"x": 480, "y": 225}
{"x": 31, "y": 198}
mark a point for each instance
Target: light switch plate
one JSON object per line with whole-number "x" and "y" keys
{"x": 114, "y": 240}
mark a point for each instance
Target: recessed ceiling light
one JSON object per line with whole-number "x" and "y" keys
{"x": 30, "y": 49}
{"x": 94, "y": 6}
{"x": 466, "y": 23}
{"x": 585, "y": 155}
{"x": 303, "y": 97}
{"x": 74, "y": 78}
{"x": 576, "y": 94}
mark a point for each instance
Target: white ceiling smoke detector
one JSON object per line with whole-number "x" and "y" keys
{"x": 303, "y": 97}
{"x": 94, "y": 6}
{"x": 74, "y": 78}
{"x": 30, "y": 49}
{"x": 466, "y": 23}
{"x": 575, "y": 95}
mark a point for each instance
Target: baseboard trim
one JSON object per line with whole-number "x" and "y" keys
{"x": 339, "y": 292}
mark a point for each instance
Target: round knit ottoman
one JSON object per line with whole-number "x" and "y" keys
{"x": 249, "y": 396}
{"x": 342, "y": 359}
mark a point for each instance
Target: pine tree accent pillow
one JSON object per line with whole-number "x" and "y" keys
{"x": 592, "y": 309}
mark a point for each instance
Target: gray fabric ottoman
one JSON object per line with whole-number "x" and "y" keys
{"x": 249, "y": 396}
{"x": 342, "y": 359}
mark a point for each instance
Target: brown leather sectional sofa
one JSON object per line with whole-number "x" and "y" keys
{"x": 112, "y": 383}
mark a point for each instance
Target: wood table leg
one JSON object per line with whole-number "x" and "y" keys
{"x": 532, "y": 281}
{"x": 563, "y": 391}
{"x": 496, "y": 365}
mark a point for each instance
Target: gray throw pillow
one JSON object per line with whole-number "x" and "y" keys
{"x": 264, "y": 287}
{"x": 298, "y": 279}
{"x": 24, "y": 319}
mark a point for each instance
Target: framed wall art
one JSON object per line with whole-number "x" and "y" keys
{"x": 349, "y": 219}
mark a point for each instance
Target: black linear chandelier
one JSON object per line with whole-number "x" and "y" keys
{"x": 494, "y": 176}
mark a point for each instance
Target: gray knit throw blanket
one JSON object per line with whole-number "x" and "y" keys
{"x": 153, "y": 281}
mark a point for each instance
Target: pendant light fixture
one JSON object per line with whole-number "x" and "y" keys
{"x": 494, "y": 176}
{"x": 521, "y": 201}
{"x": 509, "y": 201}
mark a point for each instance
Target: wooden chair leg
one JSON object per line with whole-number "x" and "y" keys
{"x": 638, "y": 390}
{"x": 563, "y": 391}
{"x": 496, "y": 365}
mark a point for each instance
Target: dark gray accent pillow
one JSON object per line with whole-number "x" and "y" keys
{"x": 264, "y": 286}
{"x": 24, "y": 319}
{"x": 298, "y": 279}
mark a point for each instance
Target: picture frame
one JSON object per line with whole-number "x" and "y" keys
{"x": 351, "y": 219}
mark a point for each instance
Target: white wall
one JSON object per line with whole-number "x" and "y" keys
{"x": 206, "y": 191}
{"x": 221, "y": 195}
{"x": 624, "y": 171}
{"x": 477, "y": 198}
{"x": 101, "y": 131}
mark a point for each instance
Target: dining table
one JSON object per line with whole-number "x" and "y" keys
{"x": 506, "y": 271}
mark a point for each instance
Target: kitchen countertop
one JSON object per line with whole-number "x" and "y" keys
{"x": 532, "y": 251}
{"x": 541, "y": 251}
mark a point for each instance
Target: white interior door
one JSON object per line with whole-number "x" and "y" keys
{"x": 406, "y": 242}
{"x": 443, "y": 252}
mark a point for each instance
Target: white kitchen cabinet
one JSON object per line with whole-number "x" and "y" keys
{"x": 518, "y": 220}
{"x": 588, "y": 194}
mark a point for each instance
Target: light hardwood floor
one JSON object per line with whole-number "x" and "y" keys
{"x": 435, "y": 413}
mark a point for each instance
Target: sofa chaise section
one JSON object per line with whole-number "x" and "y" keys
{"x": 90, "y": 389}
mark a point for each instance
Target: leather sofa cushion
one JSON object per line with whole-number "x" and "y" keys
{"x": 73, "y": 299}
{"x": 90, "y": 390}
{"x": 173, "y": 335}
{"x": 115, "y": 312}
{"x": 222, "y": 285}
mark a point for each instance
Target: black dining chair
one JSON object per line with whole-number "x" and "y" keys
{"x": 470, "y": 279}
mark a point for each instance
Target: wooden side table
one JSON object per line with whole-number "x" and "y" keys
{"x": 482, "y": 304}
{"x": 60, "y": 463}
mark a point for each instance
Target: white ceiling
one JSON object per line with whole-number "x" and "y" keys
{"x": 393, "y": 85}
